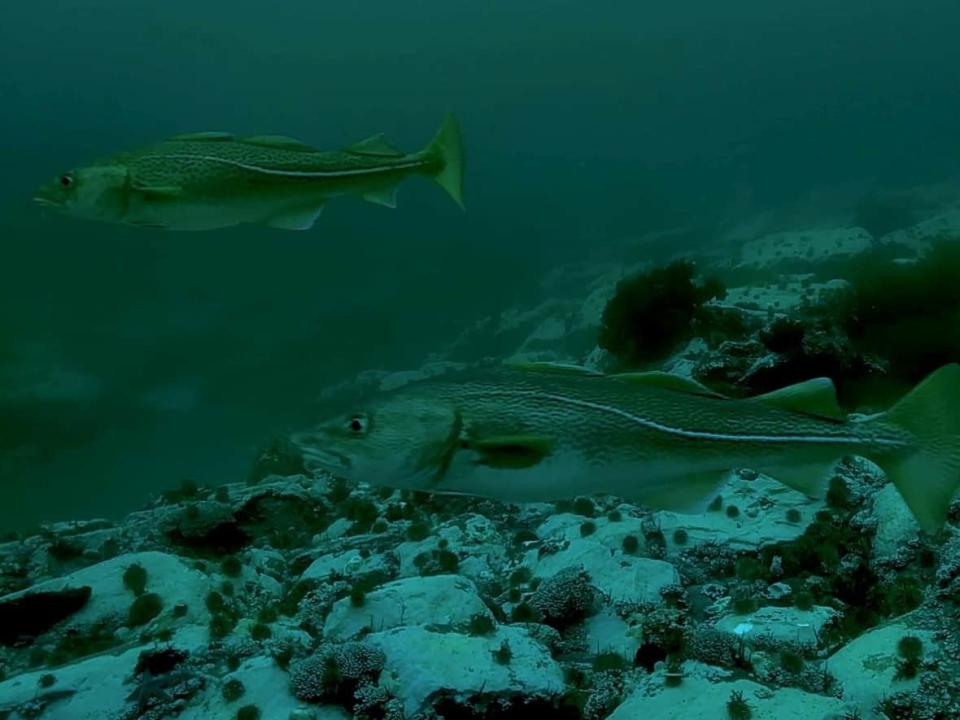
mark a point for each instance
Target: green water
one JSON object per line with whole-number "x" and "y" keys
{"x": 130, "y": 359}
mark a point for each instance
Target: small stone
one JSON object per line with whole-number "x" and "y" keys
{"x": 779, "y": 591}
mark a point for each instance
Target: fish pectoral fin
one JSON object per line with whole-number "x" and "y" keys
{"x": 375, "y": 145}
{"x": 386, "y": 197}
{"x": 556, "y": 368}
{"x": 667, "y": 381}
{"x": 440, "y": 455}
{"x": 157, "y": 191}
{"x": 511, "y": 451}
{"x": 300, "y": 219}
{"x": 816, "y": 397}
{"x": 810, "y": 479}
{"x": 203, "y": 136}
{"x": 280, "y": 142}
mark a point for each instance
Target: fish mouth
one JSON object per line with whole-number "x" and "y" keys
{"x": 45, "y": 202}
{"x": 316, "y": 457}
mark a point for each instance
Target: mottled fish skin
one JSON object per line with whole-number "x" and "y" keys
{"x": 212, "y": 180}
{"x": 637, "y": 440}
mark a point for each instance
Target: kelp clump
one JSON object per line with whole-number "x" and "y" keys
{"x": 653, "y": 312}
{"x": 905, "y": 312}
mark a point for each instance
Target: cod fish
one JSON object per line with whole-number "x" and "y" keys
{"x": 543, "y": 432}
{"x": 211, "y": 180}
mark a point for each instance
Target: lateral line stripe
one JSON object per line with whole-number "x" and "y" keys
{"x": 697, "y": 434}
{"x": 295, "y": 173}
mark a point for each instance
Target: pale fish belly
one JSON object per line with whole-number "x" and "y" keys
{"x": 191, "y": 214}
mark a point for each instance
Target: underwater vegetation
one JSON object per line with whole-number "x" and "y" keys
{"x": 652, "y": 312}
{"x": 905, "y": 312}
{"x": 891, "y": 326}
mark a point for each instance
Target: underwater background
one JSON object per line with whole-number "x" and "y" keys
{"x": 131, "y": 359}
{"x": 746, "y": 195}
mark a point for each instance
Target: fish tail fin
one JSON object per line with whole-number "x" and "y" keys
{"x": 928, "y": 478}
{"x": 447, "y": 148}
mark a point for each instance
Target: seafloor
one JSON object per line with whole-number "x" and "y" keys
{"x": 290, "y": 596}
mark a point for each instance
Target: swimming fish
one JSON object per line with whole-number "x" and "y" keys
{"x": 544, "y": 432}
{"x": 204, "y": 181}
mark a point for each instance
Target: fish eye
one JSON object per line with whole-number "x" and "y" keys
{"x": 66, "y": 181}
{"x": 357, "y": 424}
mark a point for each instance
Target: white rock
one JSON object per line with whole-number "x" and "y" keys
{"x": 424, "y": 664}
{"x": 167, "y": 576}
{"x": 347, "y": 564}
{"x": 97, "y": 682}
{"x": 781, "y": 623}
{"x": 623, "y": 578}
{"x": 439, "y": 600}
{"x": 700, "y": 696}
{"x": 866, "y": 667}
{"x": 608, "y": 632}
{"x": 266, "y": 686}
{"x": 763, "y": 505}
{"x": 896, "y": 525}
{"x": 818, "y": 244}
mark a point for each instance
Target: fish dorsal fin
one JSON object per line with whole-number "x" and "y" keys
{"x": 812, "y": 397}
{"x": 204, "y": 136}
{"x": 375, "y": 145}
{"x": 278, "y": 142}
{"x": 557, "y": 368}
{"x": 300, "y": 219}
{"x": 668, "y": 381}
{"x": 511, "y": 452}
{"x": 386, "y": 197}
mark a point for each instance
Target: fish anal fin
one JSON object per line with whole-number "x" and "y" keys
{"x": 279, "y": 142}
{"x": 203, "y": 137}
{"x": 557, "y": 368}
{"x": 386, "y": 196}
{"x": 511, "y": 451}
{"x": 812, "y": 397}
{"x": 375, "y": 145}
{"x": 300, "y": 219}
{"x": 688, "y": 494}
{"x": 668, "y": 381}
{"x": 810, "y": 479}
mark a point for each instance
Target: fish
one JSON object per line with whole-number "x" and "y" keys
{"x": 544, "y": 432}
{"x": 212, "y": 180}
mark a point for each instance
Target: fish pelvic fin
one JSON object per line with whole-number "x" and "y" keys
{"x": 929, "y": 477}
{"x": 447, "y": 149}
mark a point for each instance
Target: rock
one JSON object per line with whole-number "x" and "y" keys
{"x": 425, "y": 664}
{"x": 785, "y": 624}
{"x": 608, "y": 632}
{"x": 167, "y": 576}
{"x": 866, "y": 668}
{"x": 810, "y": 245}
{"x": 778, "y": 591}
{"x": 623, "y": 578}
{"x": 701, "y": 694}
{"x": 945, "y": 223}
{"x": 440, "y": 600}
{"x": 26, "y": 615}
{"x": 350, "y": 563}
{"x": 763, "y": 504}
{"x": 97, "y": 685}
{"x": 896, "y": 526}
{"x": 266, "y": 686}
